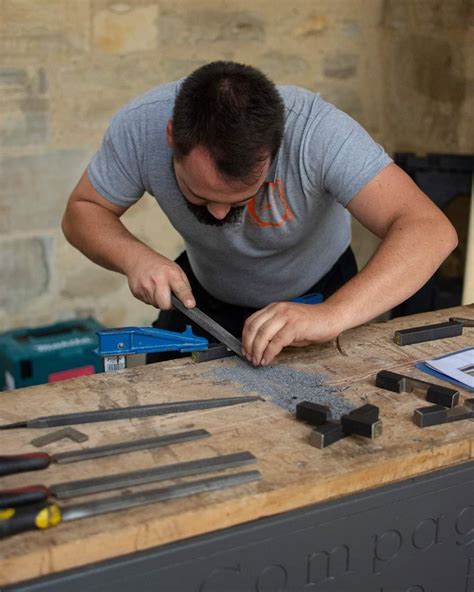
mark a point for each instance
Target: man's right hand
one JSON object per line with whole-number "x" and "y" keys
{"x": 92, "y": 224}
{"x": 153, "y": 277}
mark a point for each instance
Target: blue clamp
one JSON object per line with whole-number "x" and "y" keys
{"x": 140, "y": 340}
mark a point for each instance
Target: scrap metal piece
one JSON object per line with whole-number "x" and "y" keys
{"x": 215, "y": 351}
{"x": 313, "y": 413}
{"x": 70, "y": 433}
{"x": 434, "y": 393}
{"x": 129, "y": 479}
{"x": 128, "y": 412}
{"x": 428, "y": 333}
{"x": 424, "y": 417}
{"x": 209, "y": 325}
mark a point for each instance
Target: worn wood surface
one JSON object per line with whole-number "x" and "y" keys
{"x": 294, "y": 473}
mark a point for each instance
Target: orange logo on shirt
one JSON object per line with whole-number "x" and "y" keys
{"x": 273, "y": 209}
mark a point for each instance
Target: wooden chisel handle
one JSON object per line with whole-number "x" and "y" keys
{"x": 37, "y": 517}
{"x": 19, "y": 463}
{"x": 22, "y": 496}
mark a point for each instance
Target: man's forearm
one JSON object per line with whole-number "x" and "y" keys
{"x": 403, "y": 262}
{"x": 101, "y": 236}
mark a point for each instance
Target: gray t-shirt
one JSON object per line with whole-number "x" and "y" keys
{"x": 294, "y": 230}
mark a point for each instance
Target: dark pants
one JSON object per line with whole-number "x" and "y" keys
{"x": 233, "y": 317}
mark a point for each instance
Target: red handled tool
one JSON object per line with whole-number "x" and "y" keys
{"x": 19, "y": 463}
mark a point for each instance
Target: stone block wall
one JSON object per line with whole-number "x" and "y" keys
{"x": 403, "y": 68}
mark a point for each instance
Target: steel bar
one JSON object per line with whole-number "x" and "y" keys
{"x": 128, "y": 412}
{"x": 428, "y": 333}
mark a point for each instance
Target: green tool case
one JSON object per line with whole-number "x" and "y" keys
{"x": 50, "y": 353}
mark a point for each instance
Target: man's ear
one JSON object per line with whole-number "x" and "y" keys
{"x": 169, "y": 133}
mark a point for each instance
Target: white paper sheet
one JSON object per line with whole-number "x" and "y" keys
{"x": 458, "y": 365}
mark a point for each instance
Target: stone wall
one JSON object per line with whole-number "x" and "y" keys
{"x": 398, "y": 66}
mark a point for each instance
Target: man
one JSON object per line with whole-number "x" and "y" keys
{"x": 260, "y": 181}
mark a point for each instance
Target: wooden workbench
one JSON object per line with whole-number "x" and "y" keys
{"x": 295, "y": 474}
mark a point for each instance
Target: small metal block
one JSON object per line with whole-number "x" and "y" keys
{"x": 368, "y": 412}
{"x": 367, "y": 428}
{"x": 214, "y": 352}
{"x": 428, "y": 333}
{"x": 312, "y": 413}
{"x": 390, "y": 381}
{"x": 442, "y": 395}
{"x": 326, "y": 434}
{"x": 429, "y": 416}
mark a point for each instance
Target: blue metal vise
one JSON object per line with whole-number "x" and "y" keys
{"x": 116, "y": 344}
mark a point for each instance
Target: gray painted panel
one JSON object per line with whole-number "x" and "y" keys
{"x": 415, "y": 536}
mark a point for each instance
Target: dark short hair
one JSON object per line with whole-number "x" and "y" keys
{"x": 232, "y": 110}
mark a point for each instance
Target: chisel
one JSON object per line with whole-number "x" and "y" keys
{"x": 39, "y": 493}
{"x": 209, "y": 325}
{"x": 127, "y": 412}
{"x": 19, "y": 463}
{"x": 16, "y": 520}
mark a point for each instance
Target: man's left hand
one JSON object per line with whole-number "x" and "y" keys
{"x": 280, "y": 324}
